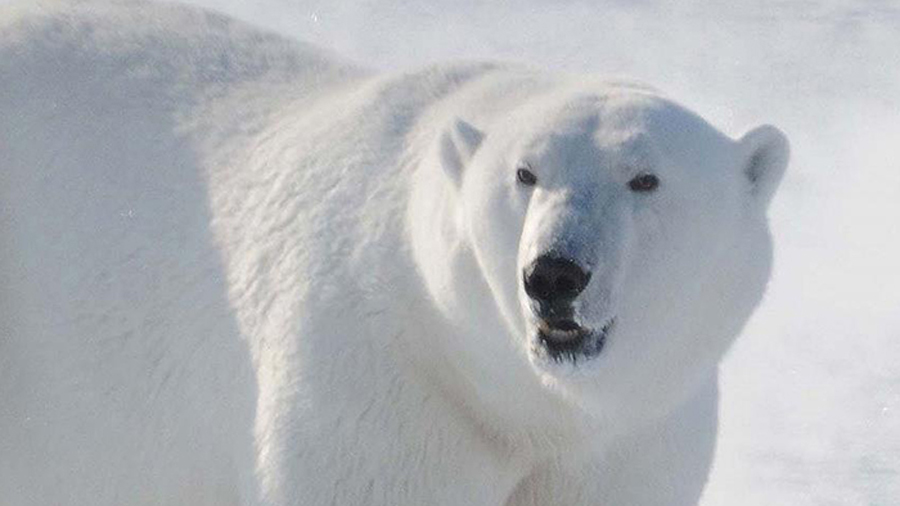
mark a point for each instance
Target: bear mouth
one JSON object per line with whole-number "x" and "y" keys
{"x": 566, "y": 340}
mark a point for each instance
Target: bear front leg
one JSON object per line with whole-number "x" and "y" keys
{"x": 407, "y": 448}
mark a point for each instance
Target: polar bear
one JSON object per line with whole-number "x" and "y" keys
{"x": 239, "y": 270}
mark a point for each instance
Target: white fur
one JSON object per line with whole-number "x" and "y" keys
{"x": 235, "y": 270}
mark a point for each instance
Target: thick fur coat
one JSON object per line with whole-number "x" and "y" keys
{"x": 236, "y": 270}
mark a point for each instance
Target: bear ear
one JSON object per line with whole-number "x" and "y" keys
{"x": 765, "y": 154}
{"x": 458, "y": 145}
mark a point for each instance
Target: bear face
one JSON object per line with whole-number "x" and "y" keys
{"x": 622, "y": 240}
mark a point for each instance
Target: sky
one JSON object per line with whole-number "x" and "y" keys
{"x": 810, "y": 411}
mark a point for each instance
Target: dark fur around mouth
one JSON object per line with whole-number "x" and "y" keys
{"x": 578, "y": 343}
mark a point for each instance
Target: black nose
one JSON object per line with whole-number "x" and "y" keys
{"x": 554, "y": 279}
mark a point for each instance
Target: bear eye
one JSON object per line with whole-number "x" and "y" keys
{"x": 525, "y": 176}
{"x": 644, "y": 183}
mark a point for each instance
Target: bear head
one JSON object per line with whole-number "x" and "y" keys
{"x": 614, "y": 242}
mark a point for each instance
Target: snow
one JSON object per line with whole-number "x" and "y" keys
{"x": 811, "y": 393}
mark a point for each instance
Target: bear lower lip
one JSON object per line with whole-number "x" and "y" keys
{"x": 570, "y": 342}
{"x": 560, "y": 328}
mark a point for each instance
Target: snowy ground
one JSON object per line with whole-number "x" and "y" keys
{"x": 811, "y": 392}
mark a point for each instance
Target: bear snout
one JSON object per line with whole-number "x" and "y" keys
{"x": 553, "y": 280}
